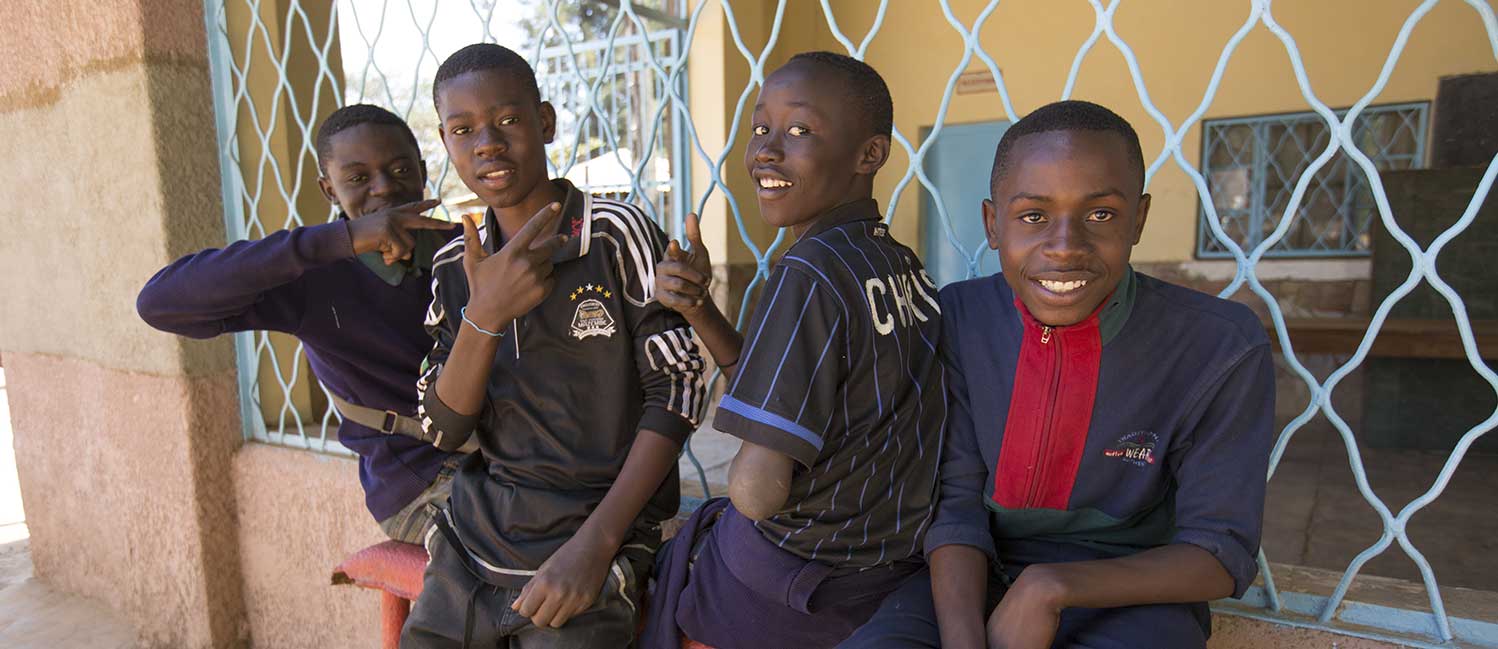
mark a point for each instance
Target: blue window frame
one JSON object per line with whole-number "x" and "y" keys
{"x": 1252, "y": 164}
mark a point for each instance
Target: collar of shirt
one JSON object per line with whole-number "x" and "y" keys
{"x": 1110, "y": 316}
{"x": 863, "y": 209}
{"x": 427, "y": 243}
{"x": 575, "y": 223}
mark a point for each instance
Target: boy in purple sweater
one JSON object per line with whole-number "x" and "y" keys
{"x": 354, "y": 291}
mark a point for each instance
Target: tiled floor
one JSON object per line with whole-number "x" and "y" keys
{"x": 1315, "y": 515}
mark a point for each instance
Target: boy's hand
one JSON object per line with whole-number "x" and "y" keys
{"x": 514, "y": 280}
{"x": 682, "y": 278}
{"x": 1026, "y": 618}
{"x": 389, "y": 230}
{"x": 567, "y": 584}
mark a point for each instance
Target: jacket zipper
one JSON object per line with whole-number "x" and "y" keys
{"x": 1052, "y": 396}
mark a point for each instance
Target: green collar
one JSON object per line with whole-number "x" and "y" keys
{"x": 1113, "y": 316}
{"x": 427, "y": 243}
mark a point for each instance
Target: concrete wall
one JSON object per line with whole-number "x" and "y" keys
{"x": 123, "y": 436}
{"x": 299, "y": 514}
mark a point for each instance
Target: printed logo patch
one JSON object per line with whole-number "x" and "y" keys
{"x": 591, "y": 317}
{"x": 1136, "y": 448}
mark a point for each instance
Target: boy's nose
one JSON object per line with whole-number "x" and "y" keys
{"x": 1068, "y": 240}
{"x": 381, "y": 185}
{"x": 768, "y": 151}
{"x": 490, "y": 143}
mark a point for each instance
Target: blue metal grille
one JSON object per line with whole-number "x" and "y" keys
{"x": 276, "y": 70}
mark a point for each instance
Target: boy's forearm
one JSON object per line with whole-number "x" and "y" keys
{"x": 718, "y": 335}
{"x": 1169, "y": 574}
{"x": 959, "y": 588}
{"x": 649, "y": 462}
{"x": 759, "y": 481}
{"x": 206, "y": 293}
{"x": 464, "y": 381}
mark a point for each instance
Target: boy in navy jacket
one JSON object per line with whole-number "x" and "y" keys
{"x": 353, "y": 291}
{"x": 1104, "y": 471}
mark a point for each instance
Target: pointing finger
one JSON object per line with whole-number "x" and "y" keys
{"x": 414, "y": 222}
{"x": 548, "y": 246}
{"x": 694, "y": 232}
{"x": 543, "y": 221}
{"x": 421, "y": 205}
{"x": 471, "y": 246}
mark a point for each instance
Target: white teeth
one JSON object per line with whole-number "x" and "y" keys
{"x": 771, "y": 183}
{"x": 497, "y": 174}
{"x": 1062, "y": 287}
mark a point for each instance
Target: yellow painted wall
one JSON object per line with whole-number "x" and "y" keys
{"x": 1344, "y": 43}
{"x": 279, "y": 116}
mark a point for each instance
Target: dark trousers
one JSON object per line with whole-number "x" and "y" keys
{"x": 744, "y": 592}
{"x": 907, "y": 620}
{"x": 454, "y": 603}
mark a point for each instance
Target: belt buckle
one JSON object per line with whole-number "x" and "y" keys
{"x": 392, "y": 418}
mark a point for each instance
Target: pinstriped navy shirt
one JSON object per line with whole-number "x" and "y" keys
{"x": 840, "y": 371}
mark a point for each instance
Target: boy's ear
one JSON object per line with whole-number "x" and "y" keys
{"x": 422, "y": 165}
{"x": 548, "y": 122}
{"x": 327, "y": 191}
{"x": 991, "y": 223}
{"x": 874, "y": 154}
{"x": 1140, "y": 216}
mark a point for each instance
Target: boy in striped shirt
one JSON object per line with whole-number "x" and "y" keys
{"x": 837, "y": 393}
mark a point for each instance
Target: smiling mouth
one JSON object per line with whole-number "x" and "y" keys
{"x": 1060, "y": 287}
{"x": 497, "y": 177}
{"x": 775, "y": 183}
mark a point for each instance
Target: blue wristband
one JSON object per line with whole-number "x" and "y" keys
{"x": 486, "y": 332}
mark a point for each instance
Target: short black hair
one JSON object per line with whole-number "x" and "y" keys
{"x": 1072, "y": 115}
{"x": 868, "y": 89}
{"x": 353, "y": 115}
{"x": 486, "y": 56}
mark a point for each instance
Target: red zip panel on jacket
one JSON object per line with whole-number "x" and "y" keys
{"x": 1050, "y": 411}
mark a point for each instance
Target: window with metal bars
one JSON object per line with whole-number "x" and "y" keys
{"x": 1252, "y": 165}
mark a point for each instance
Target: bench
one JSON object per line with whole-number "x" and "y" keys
{"x": 395, "y": 569}
{"x": 1398, "y": 338}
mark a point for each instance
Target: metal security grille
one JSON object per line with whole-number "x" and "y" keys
{"x": 1252, "y": 164}
{"x": 617, "y": 67}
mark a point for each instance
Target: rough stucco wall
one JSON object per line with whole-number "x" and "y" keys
{"x": 299, "y": 515}
{"x": 113, "y": 504}
{"x": 123, "y": 435}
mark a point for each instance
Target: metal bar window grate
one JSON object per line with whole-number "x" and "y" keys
{"x": 1301, "y": 184}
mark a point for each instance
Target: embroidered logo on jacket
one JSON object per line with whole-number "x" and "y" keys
{"x": 1136, "y": 448}
{"x": 592, "y": 316}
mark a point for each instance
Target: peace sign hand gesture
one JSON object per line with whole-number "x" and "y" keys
{"x": 392, "y": 231}
{"x": 511, "y": 282}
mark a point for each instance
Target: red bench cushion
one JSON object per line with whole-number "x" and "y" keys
{"x": 391, "y": 566}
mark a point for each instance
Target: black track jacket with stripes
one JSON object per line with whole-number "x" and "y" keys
{"x": 572, "y": 383}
